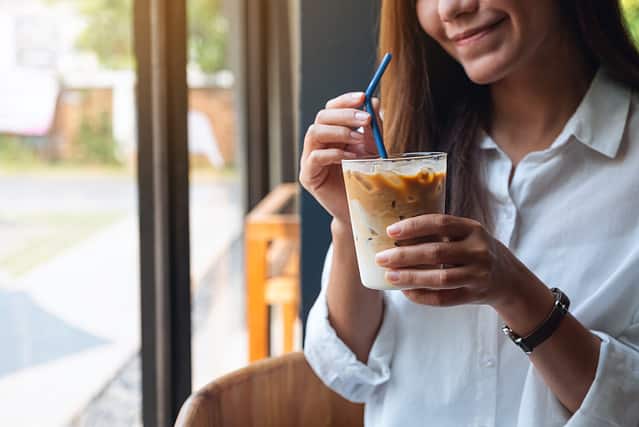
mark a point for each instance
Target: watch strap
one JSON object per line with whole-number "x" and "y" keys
{"x": 546, "y": 329}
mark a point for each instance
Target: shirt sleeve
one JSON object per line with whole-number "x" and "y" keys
{"x": 611, "y": 401}
{"x": 613, "y": 398}
{"x": 334, "y": 362}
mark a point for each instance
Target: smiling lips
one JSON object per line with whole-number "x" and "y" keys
{"x": 474, "y": 34}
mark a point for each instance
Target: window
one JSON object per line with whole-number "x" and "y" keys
{"x": 216, "y": 193}
{"x": 106, "y": 248}
{"x": 69, "y": 257}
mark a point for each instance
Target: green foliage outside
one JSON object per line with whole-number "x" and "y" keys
{"x": 208, "y": 31}
{"x": 631, "y": 9}
{"x": 14, "y": 150}
{"x": 95, "y": 143}
{"x": 109, "y": 32}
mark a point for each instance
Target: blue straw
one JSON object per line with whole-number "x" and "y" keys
{"x": 377, "y": 134}
{"x": 372, "y": 86}
{"x": 368, "y": 103}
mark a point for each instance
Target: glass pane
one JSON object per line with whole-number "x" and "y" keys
{"x": 220, "y": 293}
{"x": 219, "y": 336}
{"x": 69, "y": 286}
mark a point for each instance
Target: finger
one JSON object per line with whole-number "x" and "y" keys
{"x": 321, "y": 158}
{"x": 363, "y": 150}
{"x": 348, "y": 100}
{"x": 349, "y": 117}
{"x": 432, "y": 225}
{"x": 455, "y": 253}
{"x": 325, "y": 134}
{"x": 442, "y": 298}
{"x": 436, "y": 278}
{"x": 378, "y": 115}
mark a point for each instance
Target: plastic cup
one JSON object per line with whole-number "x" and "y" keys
{"x": 382, "y": 192}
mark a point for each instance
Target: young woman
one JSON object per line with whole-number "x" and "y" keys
{"x": 534, "y": 102}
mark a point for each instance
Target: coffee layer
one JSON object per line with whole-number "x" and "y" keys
{"x": 377, "y": 200}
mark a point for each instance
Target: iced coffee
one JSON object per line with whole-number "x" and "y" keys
{"x": 382, "y": 192}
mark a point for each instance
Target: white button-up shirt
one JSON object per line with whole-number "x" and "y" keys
{"x": 571, "y": 214}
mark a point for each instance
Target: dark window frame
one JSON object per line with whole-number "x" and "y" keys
{"x": 163, "y": 197}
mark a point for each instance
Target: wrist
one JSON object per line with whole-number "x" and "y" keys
{"x": 341, "y": 229}
{"x": 526, "y": 306}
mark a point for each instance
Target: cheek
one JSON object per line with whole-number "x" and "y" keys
{"x": 430, "y": 21}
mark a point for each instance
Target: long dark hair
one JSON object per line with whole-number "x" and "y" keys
{"x": 430, "y": 103}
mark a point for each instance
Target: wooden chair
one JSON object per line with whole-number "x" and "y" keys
{"x": 278, "y": 392}
{"x": 271, "y": 245}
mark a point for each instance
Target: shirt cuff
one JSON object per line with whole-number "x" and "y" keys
{"x": 614, "y": 393}
{"x": 336, "y": 364}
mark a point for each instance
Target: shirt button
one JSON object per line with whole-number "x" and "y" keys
{"x": 489, "y": 363}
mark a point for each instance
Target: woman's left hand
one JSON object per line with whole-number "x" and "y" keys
{"x": 479, "y": 269}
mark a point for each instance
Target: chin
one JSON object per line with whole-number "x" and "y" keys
{"x": 486, "y": 70}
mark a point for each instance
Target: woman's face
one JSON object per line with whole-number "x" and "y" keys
{"x": 490, "y": 38}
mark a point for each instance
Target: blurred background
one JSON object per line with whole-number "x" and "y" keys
{"x": 69, "y": 240}
{"x": 70, "y": 279}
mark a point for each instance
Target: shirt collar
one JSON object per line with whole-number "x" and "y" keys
{"x": 600, "y": 119}
{"x": 486, "y": 142}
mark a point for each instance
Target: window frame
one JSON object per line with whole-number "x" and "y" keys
{"x": 163, "y": 195}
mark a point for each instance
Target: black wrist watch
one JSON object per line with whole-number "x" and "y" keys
{"x": 547, "y": 328}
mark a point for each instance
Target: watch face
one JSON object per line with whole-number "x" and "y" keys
{"x": 561, "y": 298}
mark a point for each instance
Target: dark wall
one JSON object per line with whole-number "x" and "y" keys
{"x": 338, "y": 52}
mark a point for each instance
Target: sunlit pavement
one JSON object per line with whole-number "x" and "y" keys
{"x": 71, "y": 323}
{"x": 219, "y": 344}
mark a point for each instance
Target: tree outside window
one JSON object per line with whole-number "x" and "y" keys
{"x": 108, "y": 33}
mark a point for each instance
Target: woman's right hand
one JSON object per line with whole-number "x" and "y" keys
{"x": 329, "y": 140}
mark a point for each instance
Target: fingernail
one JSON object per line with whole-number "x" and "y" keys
{"x": 356, "y": 135}
{"x": 361, "y": 116}
{"x": 382, "y": 258}
{"x": 356, "y": 96}
{"x": 392, "y": 276}
{"x": 394, "y": 230}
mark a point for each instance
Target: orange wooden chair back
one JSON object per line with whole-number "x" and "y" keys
{"x": 278, "y": 392}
